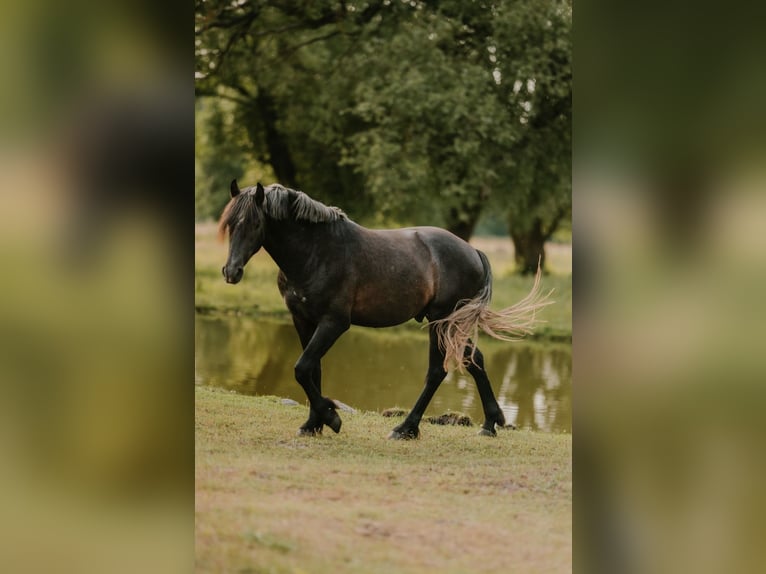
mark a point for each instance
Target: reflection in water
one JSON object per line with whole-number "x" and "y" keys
{"x": 376, "y": 369}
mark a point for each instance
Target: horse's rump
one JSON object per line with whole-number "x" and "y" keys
{"x": 461, "y": 328}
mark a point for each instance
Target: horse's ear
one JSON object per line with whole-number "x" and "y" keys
{"x": 259, "y": 194}
{"x": 234, "y": 188}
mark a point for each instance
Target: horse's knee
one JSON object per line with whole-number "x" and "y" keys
{"x": 303, "y": 370}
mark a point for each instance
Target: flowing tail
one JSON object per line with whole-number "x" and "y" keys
{"x": 461, "y": 328}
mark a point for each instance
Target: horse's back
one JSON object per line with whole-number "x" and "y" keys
{"x": 424, "y": 250}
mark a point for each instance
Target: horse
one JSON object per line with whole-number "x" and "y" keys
{"x": 334, "y": 273}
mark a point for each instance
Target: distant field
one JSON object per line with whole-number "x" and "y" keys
{"x": 257, "y": 294}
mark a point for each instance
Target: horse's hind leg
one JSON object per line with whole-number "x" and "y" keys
{"x": 436, "y": 373}
{"x": 492, "y": 413}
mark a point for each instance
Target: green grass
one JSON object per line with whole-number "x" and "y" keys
{"x": 268, "y": 501}
{"x": 257, "y": 294}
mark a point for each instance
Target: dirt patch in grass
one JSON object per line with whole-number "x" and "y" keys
{"x": 451, "y": 419}
{"x": 268, "y": 501}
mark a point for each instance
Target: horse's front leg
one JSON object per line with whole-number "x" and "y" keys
{"x": 308, "y": 373}
{"x": 313, "y": 425}
{"x": 305, "y": 329}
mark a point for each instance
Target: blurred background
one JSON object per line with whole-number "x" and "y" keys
{"x": 670, "y": 216}
{"x": 96, "y": 141}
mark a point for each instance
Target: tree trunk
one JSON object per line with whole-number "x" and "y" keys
{"x": 279, "y": 155}
{"x": 463, "y": 221}
{"x": 529, "y": 247}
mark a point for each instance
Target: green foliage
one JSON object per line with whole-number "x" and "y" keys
{"x": 216, "y": 157}
{"x": 416, "y": 112}
{"x": 432, "y": 126}
{"x": 221, "y": 154}
{"x": 539, "y": 88}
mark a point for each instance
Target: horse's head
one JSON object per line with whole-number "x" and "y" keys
{"x": 243, "y": 218}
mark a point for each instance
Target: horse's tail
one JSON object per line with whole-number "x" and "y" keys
{"x": 461, "y": 328}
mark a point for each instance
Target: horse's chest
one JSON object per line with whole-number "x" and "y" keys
{"x": 295, "y": 299}
{"x": 303, "y": 303}
{"x": 307, "y": 300}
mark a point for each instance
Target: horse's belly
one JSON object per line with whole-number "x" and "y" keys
{"x": 381, "y": 320}
{"x": 389, "y": 303}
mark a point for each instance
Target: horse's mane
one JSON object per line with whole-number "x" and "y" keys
{"x": 283, "y": 203}
{"x": 279, "y": 203}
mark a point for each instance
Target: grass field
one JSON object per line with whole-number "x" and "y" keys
{"x": 451, "y": 502}
{"x": 257, "y": 294}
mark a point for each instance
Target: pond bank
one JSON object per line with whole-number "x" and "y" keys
{"x": 452, "y": 501}
{"x": 543, "y": 334}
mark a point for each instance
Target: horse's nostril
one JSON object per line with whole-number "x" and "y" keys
{"x": 232, "y": 275}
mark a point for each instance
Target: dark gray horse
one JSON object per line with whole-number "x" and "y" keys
{"x": 335, "y": 273}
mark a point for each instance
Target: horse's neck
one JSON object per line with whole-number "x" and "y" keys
{"x": 295, "y": 247}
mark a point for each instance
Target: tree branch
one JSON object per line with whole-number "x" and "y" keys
{"x": 296, "y": 47}
{"x": 555, "y": 222}
{"x": 224, "y": 23}
{"x": 208, "y": 93}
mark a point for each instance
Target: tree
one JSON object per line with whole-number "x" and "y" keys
{"x": 432, "y": 129}
{"x": 278, "y": 63}
{"x": 411, "y": 110}
{"x": 536, "y": 84}
{"x": 470, "y": 104}
{"x": 218, "y": 159}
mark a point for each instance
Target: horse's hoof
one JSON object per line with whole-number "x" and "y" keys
{"x": 403, "y": 435}
{"x": 309, "y": 432}
{"x": 487, "y": 432}
{"x": 334, "y": 423}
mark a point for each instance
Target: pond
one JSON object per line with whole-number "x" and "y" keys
{"x": 372, "y": 370}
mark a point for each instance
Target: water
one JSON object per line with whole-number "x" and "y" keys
{"x": 372, "y": 370}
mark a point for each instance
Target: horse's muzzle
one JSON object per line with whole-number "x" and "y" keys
{"x": 233, "y": 276}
